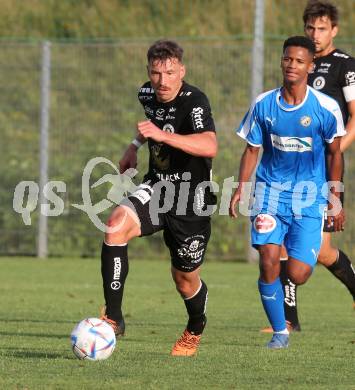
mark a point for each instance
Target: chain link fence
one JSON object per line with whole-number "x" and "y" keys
{"x": 93, "y": 112}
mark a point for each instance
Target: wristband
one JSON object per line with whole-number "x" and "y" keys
{"x": 136, "y": 143}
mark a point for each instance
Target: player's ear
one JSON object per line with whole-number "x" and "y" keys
{"x": 182, "y": 71}
{"x": 148, "y": 70}
{"x": 335, "y": 30}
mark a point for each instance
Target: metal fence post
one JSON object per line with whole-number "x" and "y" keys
{"x": 257, "y": 80}
{"x": 42, "y": 245}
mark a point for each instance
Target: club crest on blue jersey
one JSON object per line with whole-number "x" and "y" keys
{"x": 305, "y": 121}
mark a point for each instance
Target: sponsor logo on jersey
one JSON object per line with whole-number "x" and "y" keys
{"x": 148, "y": 110}
{"x": 305, "y": 121}
{"x": 292, "y": 144}
{"x": 324, "y": 67}
{"x": 147, "y": 90}
{"x": 322, "y": 70}
{"x": 185, "y": 93}
{"x": 168, "y": 177}
{"x": 145, "y": 98}
{"x": 319, "y": 82}
{"x": 197, "y": 120}
{"x": 172, "y": 109}
{"x": 169, "y": 117}
{"x": 340, "y": 55}
{"x": 160, "y": 112}
{"x": 169, "y": 128}
{"x": 350, "y": 78}
{"x": 271, "y": 120}
{"x": 264, "y": 223}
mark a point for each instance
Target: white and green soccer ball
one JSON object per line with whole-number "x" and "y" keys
{"x": 93, "y": 339}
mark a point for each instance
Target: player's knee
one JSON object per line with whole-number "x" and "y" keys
{"x": 118, "y": 229}
{"x": 183, "y": 287}
{"x": 322, "y": 258}
{"x": 327, "y": 257}
{"x": 299, "y": 277}
{"x": 268, "y": 264}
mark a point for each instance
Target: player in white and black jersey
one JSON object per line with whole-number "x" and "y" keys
{"x": 334, "y": 75}
{"x": 175, "y": 196}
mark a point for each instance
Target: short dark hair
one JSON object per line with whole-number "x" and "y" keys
{"x": 300, "y": 41}
{"x": 317, "y": 9}
{"x": 163, "y": 49}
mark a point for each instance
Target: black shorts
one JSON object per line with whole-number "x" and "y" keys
{"x": 330, "y": 229}
{"x": 186, "y": 236}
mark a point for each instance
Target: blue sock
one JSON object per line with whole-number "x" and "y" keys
{"x": 272, "y": 298}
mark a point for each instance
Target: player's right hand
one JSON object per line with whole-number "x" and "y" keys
{"x": 129, "y": 159}
{"x": 233, "y": 203}
{"x": 337, "y": 221}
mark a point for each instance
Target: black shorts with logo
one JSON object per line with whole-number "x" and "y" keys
{"x": 186, "y": 236}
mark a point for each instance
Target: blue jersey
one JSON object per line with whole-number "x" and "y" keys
{"x": 294, "y": 140}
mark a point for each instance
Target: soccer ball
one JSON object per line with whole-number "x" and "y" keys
{"x": 93, "y": 339}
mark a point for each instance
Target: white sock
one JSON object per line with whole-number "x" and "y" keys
{"x": 285, "y": 331}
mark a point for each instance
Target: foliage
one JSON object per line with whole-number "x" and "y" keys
{"x": 151, "y": 18}
{"x": 94, "y": 109}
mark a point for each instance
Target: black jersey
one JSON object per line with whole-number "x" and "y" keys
{"x": 334, "y": 75}
{"x": 188, "y": 113}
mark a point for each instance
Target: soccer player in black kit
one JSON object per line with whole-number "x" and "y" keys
{"x": 174, "y": 197}
{"x": 334, "y": 75}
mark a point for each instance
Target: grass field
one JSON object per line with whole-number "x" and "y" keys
{"x": 42, "y": 300}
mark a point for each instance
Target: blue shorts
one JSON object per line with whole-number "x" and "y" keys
{"x": 301, "y": 235}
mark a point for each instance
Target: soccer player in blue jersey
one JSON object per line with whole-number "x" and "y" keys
{"x": 334, "y": 75}
{"x": 299, "y": 129}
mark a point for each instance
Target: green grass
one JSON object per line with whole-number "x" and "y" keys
{"x": 42, "y": 300}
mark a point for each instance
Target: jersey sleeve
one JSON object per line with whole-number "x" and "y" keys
{"x": 200, "y": 115}
{"x": 348, "y": 81}
{"x": 249, "y": 128}
{"x": 333, "y": 125}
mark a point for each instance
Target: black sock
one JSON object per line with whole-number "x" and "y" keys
{"x": 196, "y": 309}
{"x": 290, "y": 292}
{"x": 344, "y": 271}
{"x": 114, "y": 270}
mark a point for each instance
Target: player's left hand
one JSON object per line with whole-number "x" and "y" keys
{"x": 149, "y": 130}
{"x": 337, "y": 221}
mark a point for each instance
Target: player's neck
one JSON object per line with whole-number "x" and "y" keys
{"x": 326, "y": 51}
{"x": 294, "y": 94}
